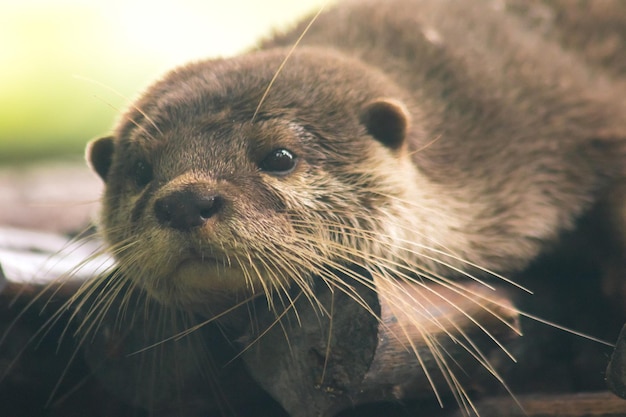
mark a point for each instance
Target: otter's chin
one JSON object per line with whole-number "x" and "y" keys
{"x": 208, "y": 275}
{"x": 194, "y": 281}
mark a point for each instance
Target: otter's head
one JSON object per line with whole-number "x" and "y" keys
{"x": 211, "y": 190}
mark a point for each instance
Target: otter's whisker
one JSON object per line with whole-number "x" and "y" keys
{"x": 196, "y": 327}
{"x": 282, "y": 64}
{"x": 264, "y": 332}
{"x": 122, "y": 96}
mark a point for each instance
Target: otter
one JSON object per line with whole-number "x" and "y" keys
{"x": 416, "y": 140}
{"x": 391, "y": 145}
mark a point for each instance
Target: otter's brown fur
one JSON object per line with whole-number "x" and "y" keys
{"x": 427, "y": 137}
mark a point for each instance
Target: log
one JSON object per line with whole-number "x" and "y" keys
{"x": 595, "y": 404}
{"x": 616, "y": 370}
{"x": 340, "y": 355}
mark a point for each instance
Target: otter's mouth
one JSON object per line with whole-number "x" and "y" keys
{"x": 202, "y": 260}
{"x": 195, "y": 257}
{"x": 205, "y": 267}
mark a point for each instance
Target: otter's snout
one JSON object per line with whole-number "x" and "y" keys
{"x": 186, "y": 209}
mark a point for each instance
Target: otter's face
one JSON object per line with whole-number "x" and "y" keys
{"x": 204, "y": 199}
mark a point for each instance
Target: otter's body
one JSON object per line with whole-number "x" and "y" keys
{"x": 407, "y": 137}
{"x": 526, "y": 134}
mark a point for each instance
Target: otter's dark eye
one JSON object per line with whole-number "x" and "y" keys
{"x": 143, "y": 173}
{"x": 279, "y": 161}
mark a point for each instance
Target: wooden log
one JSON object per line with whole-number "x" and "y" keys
{"x": 410, "y": 341}
{"x": 616, "y": 370}
{"x": 596, "y": 404}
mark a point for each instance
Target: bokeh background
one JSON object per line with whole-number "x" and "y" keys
{"x": 67, "y": 67}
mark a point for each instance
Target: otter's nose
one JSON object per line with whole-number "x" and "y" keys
{"x": 185, "y": 210}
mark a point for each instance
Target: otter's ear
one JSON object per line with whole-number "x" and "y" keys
{"x": 387, "y": 120}
{"x": 99, "y": 154}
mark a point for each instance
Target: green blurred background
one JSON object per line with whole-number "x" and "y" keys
{"x": 68, "y": 67}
